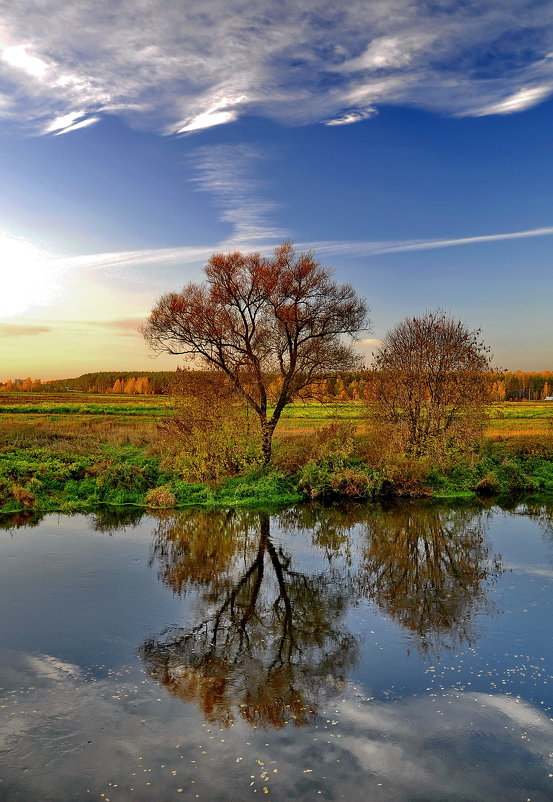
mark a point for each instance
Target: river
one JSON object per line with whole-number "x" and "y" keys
{"x": 356, "y": 653}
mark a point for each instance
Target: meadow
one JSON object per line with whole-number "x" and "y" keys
{"x": 72, "y": 450}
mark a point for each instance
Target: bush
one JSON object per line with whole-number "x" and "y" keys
{"x": 113, "y": 477}
{"x": 263, "y": 487}
{"x": 160, "y": 497}
{"x": 23, "y": 496}
{"x": 325, "y": 481}
{"x": 489, "y": 485}
{"x": 513, "y": 477}
{"x": 187, "y": 493}
{"x": 334, "y": 444}
{"x": 209, "y": 438}
{"x": 406, "y": 476}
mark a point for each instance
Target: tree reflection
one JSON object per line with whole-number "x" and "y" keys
{"x": 22, "y": 519}
{"x": 429, "y": 569}
{"x": 269, "y": 641}
{"x": 111, "y": 519}
{"x": 330, "y": 528}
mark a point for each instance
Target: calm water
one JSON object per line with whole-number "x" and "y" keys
{"x": 358, "y": 654}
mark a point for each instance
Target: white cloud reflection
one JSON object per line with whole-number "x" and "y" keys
{"x": 67, "y": 732}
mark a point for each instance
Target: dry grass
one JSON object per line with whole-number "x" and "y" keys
{"x": 76, "y": 434}
{"x": 83, "y": 433}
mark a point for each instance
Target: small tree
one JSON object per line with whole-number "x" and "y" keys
{"x": 432, "y": 383}
{"x": 256, "y": 318}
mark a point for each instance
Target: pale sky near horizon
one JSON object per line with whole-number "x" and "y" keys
{"x": 407, "y": 143}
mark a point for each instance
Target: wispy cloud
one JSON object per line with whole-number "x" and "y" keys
{"x": 197, "y": 255}
{"x": 521, "y": 100}
{"x": 167, "y": 66}
{"x": 21, "y": 330}
{"x": 125, "y": 327}
{"x": 374, "y": 248}
{"x": 227, "y": 172}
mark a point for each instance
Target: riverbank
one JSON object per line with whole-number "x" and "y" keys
{"x": 53, "y": 480}
{"x": 96, "y": 450}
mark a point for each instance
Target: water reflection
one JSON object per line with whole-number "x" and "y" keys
{"x": 20, "y": 519}
{"x": 430, "y": 569}
{"x": 268, "y": 640}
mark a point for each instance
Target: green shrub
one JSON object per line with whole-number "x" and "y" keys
{"x": 263, "y": 488}
{"x": 115, "y": 477}
{"x": 489, "y": 485}
{"x": 513, "y": 478}
{"x": 325, "y": 481}
{"x": 187, "y": 493}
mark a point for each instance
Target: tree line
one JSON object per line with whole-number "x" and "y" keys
{"x": 344, "y": 387}
{"x": 127, "y": 382}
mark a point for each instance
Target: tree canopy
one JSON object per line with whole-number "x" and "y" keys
{"x": 432, "y": 381}
{"x": 256, "y": 317}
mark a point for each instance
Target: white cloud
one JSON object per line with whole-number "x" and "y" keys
{"x": 370, "y": 342}
{"x": 76, "y": 126}
{"x": 250, "y": 232}
{"x": 388, "y": 53}
{"x": 352, "y": 117}
{"x": 166, "y": 66}
{"x": 218, "y": 114}
{"x": 227, "y": 171}
{"x": 64, "y": 121}
{"x": 18, "y": 57}
{"x": 521, "y": 100}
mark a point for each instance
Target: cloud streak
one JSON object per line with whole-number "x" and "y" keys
{"x": 197, "y": 255}
{"x": 376, "y": 248}
{"x": 167, "y": 66}
{"x": 21, "y": 330}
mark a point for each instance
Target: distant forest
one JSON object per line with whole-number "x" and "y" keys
{"x": 344, "y": 387}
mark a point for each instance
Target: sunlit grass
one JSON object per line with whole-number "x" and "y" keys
{"x": 83, "y": 421}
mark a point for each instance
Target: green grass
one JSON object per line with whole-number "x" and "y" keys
{"x": 82, "y": 409}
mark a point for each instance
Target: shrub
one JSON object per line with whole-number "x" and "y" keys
{"x": 119, "y": 476}
{"x": 406, "y": 476}
{"x": 187, "y": 493}
{"x": 334, "y": 444}
{"x": 325, "y": 481}
{"x": 263, "y": 487}
{"x": 205, "y": 441}
{"x": 489, "y": 485}
{"x": 514, "y": 478}
{"x": 23, "y": 496}
{"x": 160, "y": 497}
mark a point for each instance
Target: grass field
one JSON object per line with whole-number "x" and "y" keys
{"x": 89, "y": 417}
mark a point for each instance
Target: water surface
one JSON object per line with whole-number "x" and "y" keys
{"x": 358, "y": 653}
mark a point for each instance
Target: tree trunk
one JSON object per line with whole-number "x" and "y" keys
{"x": 267, "y": 429}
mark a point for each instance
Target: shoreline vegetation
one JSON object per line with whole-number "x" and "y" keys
{"x": 74, "y": 453}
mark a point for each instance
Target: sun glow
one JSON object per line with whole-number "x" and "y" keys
{"x": 30, "y": 276}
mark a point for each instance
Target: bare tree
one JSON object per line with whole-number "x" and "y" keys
{"x": 255, "y": 318}
{"x": 432, "y": 382}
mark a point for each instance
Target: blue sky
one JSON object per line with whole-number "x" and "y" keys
{"x": 408, "y": 144}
